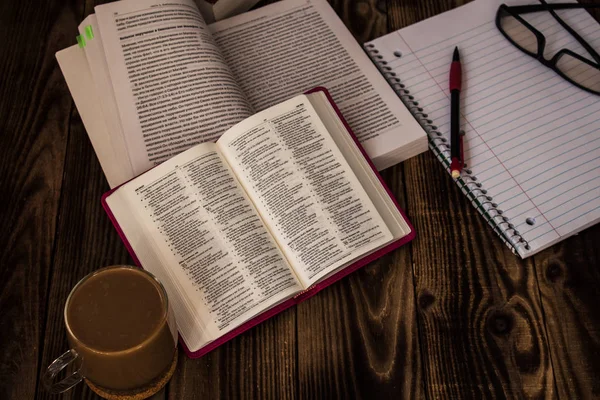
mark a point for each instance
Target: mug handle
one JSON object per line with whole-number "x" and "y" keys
{"x": 56, "y": 367}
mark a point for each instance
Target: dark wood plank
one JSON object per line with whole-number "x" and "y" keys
{"x": 260, "y": 363}
{"x": 569, "y": 281}
{"x": 359, "y": 339}
{"x": 480, "y": 318}
{"x": 34, "y": 114}
{"x": 366, "y": 19}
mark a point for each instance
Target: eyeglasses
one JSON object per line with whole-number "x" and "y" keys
{"x": 575, "y": 68}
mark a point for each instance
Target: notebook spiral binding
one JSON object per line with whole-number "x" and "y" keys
{"x": 468, "y": 183}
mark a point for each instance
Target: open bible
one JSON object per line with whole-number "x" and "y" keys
{"x": 283, "y": 204}
{"x": 150, "y": 79}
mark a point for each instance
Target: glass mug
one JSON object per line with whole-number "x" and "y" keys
{"x": 121, "y": 331}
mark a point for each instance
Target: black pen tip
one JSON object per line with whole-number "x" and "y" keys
{"x": 455, "y": 56}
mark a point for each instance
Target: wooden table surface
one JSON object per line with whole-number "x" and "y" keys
{"x": 454, "y": 315}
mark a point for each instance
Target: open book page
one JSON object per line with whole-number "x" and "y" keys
{"x": 77, "y": 73}
{"x": 532, "y": 138}
{"x": 222, "y": 261}
{"x": 292, "y": 46}
{"x": 94, "y": 52}
{"x": 172, "y": 87}
{"x": 304, "y": 189}
{"x": 368, "y": 179}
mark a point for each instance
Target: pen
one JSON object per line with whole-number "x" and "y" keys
{"x": 456, "y": 145}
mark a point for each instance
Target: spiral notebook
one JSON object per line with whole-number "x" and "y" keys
{"x": 532, "y": 140}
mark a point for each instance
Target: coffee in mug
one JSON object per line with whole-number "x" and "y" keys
{"x": 120, "y": 329}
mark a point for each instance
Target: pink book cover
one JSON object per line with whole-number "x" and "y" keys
{"x": 316, "y": 288}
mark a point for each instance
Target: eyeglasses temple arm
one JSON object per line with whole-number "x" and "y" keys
{"x": 576, "y": 35}
{"x": 551, "y": 8}
{"x": 545, "y": 7}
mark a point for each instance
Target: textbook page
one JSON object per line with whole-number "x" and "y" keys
{"x": 76, "y": 70}
{"x": 532, "y": 139}
{"x": 209, "y": 238}
{"x": 304, "y": 189}
{"x": 289, "y": 47}
{"x": 172, "y": 86}
{"x": 94, "y": 52}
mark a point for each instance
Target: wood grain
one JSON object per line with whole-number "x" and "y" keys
{"x": 259, "y": 364}
{"x": 34, "y": 114}
{"x": 480, "y": 318}
{"x": 569, "y": 281}
{"x": 366, "y": 19}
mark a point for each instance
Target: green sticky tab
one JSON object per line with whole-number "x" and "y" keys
{"x": 81, "y": 41}
{"x": 89, "y": 33}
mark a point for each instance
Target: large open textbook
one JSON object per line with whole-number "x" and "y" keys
{"x": 150, "y": 79}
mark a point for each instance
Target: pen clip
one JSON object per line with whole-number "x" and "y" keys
{"x": 461, "y": 134}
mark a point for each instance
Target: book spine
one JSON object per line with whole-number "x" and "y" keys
{"x": 468, "y": 183}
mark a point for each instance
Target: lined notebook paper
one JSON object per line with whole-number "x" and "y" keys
{"x": 532, "y": 143}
